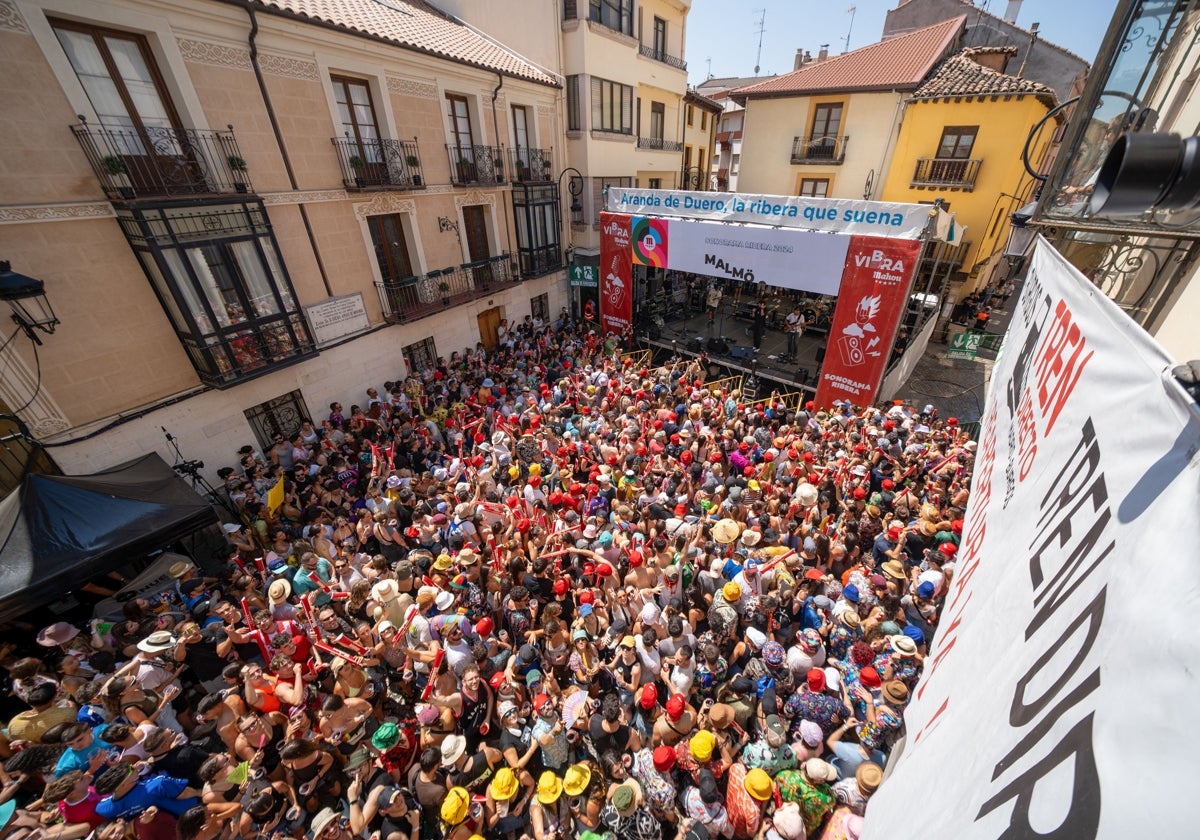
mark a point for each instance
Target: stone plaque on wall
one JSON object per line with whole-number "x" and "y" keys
{"x": 337, "y": 317}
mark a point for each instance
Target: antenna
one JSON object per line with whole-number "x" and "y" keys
{"x": 709, "y": 62}
{"x": 850, "y": 28}
{"x": 762, "y": 27}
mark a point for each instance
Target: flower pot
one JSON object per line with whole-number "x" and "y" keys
{"x": 445, "y": 300}
{"x": 360, "y": 182}
{"x": 239, "y": 187}
{"x": 416, "y": 180}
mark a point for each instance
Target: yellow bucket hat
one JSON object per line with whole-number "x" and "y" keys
{"x": 549, "y": 788}
{"x": 455, "y": 805}
{"x": 702, "y": 744}
{"x": 504, "y": 785}
{"x": 731, "y": 591}
{"x": 759, "y": 785}
{"x": 575, "y": 780}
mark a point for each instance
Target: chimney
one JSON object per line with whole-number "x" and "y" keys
{"x": 798, "y": 62}
{"x": 1014, "y": 9}
{"x": 824, "y": 53}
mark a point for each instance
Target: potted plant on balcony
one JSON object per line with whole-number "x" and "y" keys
{"x": 444, "y": 288}
{"x": 414, "y": 167}
{"x": 499, "y": 164}
{"x": 118, "y": 174}
{"x": 238, "y": 166}
{"x": 357, "y": 164}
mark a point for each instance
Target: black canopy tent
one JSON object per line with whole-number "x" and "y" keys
{"x": 57, "y": 532}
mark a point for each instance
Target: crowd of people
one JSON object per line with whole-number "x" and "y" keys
{"x": 535, "y": 593}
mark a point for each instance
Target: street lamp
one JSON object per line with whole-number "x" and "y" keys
{"x": 27, "y": 298}
{"x": 574, "y": 189}
{"x": 1021, "y": 235}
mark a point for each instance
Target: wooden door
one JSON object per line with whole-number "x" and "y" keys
{"x": 489, "y": 322}
{"x": 475, "y": 222}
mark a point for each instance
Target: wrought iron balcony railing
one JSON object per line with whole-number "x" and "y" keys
{"x": 379, "y": 164}
{"x": 528, "y": 165}
{"x": 661, "y": 55}
{"x": 476, "y": 164}
{"x": 951, "y": 173}
{"x": 658, "y": 144}
{"x": 409, "y": 298}
{"x": 143, "y": 162}
{"x": 695, "y": 179}
{"x": 827, "y": 149}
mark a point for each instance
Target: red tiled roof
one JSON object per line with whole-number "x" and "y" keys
{"x": 960, "y": 75}
{"x": 895, "y": 64}
{"x": 414, "y": 25}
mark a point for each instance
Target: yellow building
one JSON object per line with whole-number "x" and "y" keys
{"x": 699, "y": 142}
{"x": 827, "y": 129}
{"x": 961, "y": 140}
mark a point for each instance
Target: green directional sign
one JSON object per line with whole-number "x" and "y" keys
{"x": 585, "y": 276}
{"x": 964, "y": 346}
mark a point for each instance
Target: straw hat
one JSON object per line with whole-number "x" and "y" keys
{"x": 726, "y": 531}
{"x": 157, "y": 641}
{"x": 807, "y": 495}
{"x": 179, "y": 569}
{"x": 278, "y": 592}
{"x": 452, "y": 749}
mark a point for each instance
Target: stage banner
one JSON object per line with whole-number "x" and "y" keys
{"x": 616, "y": 273}
{"x": 833, "y": 215}
{"x": 793, "y": 259}
{"x": 1054, "y": 697}
{"x": 871, "y": 300}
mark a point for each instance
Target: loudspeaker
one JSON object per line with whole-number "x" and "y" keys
{"x": 695, "y": 345}
{"x": 820, "y": 353}
{"x": 802, "y": 375}
{"x": 717, "y": 346}
{"x": 744, "y": 353}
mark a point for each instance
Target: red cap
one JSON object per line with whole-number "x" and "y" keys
{"x": 809, "y": 457}
{"x": 747, "y": 470}
{"x": 589, "y": 569}
{"x": 674, "y": 438}
{"x": 715, "y": 457}
{"x": 480, "y": 437}
{"x": 681, "y": 510}
{"x": 604, "y": 570}
{"x": 894, "y": 533}
{"x": 675, "y": 706}
{"x": 812, "y": 478}
{"x": 664, "y": 758}
{"x": 860, "y": 493}
{"x": 477, "y": 461}
{"x": 953, "y": 421}
{"x": 743, "y": 447}
{"x": 792, "y": 453}
{"x": 635, "y": 559}
{"x": 768, "y": 456}
{"x": 523, "y": 525}
{"x": 641, "y": 451}
{"x": 535, "y": 480}
{"x": 497, "y": 680}
{"x": 484, "y": 627}
{"x": 555, "y": 498}
{"x": 686, "y": 456}
{"x": 816, "y": 679}
{"x": 948, "y": 548}
{"x": 956, "y": 526}
{"x": 649, "y": 697}
{"x": 860, "y": 448}
{"x": 870, "y": 677}
{"x": 587, "y": 596}
{"x": 539, "y": 701}
{"x": 887, "y": 484}
{"x": 889, "y": 425}
{"x": 612, "y": 460}
{"x": 814, "y": 574}
{"x": 561, "y": 586}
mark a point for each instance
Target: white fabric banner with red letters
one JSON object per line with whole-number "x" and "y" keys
{"x": 1056, "y": 697}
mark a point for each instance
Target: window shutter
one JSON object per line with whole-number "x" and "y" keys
{"x": 626, "y": 109}
{"x": 597, "y": 104}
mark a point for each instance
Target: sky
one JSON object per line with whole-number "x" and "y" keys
{"x": 726, "y": 31}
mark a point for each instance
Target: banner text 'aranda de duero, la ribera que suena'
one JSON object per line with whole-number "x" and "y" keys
{"x": 1055, "y": 699}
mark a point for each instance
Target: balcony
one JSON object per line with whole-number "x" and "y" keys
{"x": 695, "y": 179}
{"x": 658, "y": 144}
{"x": 140, "y": 163}
{"x": 659, "y": 55}
{"x": 410, "y": 298}
{"x": 728, "y": 136}
{"x": 531, "y": 165}
{"x": 827, "y": 149}
{"x": 379, "y": 164}
{"x": 946, "y": 173}
{"x": 470, "y": 165}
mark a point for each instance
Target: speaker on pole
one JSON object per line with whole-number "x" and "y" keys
{"x": 820, "y": 353}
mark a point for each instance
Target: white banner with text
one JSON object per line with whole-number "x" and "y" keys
{"x": 1054, "y": 701}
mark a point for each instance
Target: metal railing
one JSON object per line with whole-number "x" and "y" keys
{"x": 694, "y": 178}
{"x": 663, "y": 56}
{"x": 529, "y": 165}
{"x": 827, "y": 149}
{"x": 372, "y": 164}
{"x": 476, "y": 164}
{"x": 409, "y": 298}
{"x": 145, "y": 162}
{"x": 658, "y": 144}
{"x": 959, "y": 173}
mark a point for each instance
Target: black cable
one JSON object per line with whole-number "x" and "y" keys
{"x": 37, "y": 359}
{"x": 9, "y": 340}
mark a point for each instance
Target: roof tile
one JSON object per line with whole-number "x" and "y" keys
{"x": 961, "y": 75}
{"x": 416, "y": 25}
{"x": 899, "y": 63}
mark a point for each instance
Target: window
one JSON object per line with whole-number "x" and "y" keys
{"x": 704, "y": 120}
{"x": 690, "y": 116}
{"x": 520, "y": 114}
{"x": 658, "y": 119}
{"x": 391, "y": 247}
{"x": 735, "y": 162}
{"x": 687, "y": 157}
{"x": 827, "y": 122}
{"x": 814, "y": 187}
{"x": 654, "y": 183}
{"x": 218, "y": 272}
{"x": 461, "y": 134}
{"x": 700, "y": 153}
{"x": 536, "y": 213}
{"x": 574, "y": 123}
{"x": 280, "y": 416}
{"x": 360, "y": 128}
{"x": 660, "y": 37}
{"x": 957, "y": 141}
{"x": 421, "y": 356}
{"x": 612, "y": 106}
{"x": 539, "y": 307}
{"x": 615, "y": 14}
{"x": 599, "y": 185}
